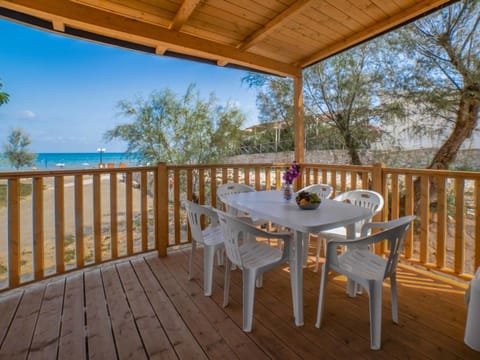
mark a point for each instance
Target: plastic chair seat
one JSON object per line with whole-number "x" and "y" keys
{"x": 212, "y": 235}
{"x": 257, "y": 254}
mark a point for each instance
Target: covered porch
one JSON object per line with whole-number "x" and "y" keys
{"x": 145, "y": 307}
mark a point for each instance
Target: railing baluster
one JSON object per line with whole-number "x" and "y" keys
{"x": 424, "y": 218}
{"x": 459, "y": 226}
{"x": 176, "y": 206}
{"x": 38, "y": 240}
{"x": 409, "y": 204}
{"x": 441, "y": 221}
{"x": 129, "y": 211}
{"x": 79, "y": 221}
{"x": 257, "y": 178}
{"x": 113, "y": 214}
{"x": 144, "y": 208}
{"x": 59, "y": 185}
{"x": 97, "y": 218}
{"x": 14, "y": 232}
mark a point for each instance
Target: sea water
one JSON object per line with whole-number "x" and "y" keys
{"x": 51, "y": 161}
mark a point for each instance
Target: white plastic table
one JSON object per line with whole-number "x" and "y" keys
{"x": 271, "y": 206}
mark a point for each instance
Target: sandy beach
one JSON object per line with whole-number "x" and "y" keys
{"x": 26, "y": 217}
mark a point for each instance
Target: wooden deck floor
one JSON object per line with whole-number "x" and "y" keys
{"x": 144, "y": 307}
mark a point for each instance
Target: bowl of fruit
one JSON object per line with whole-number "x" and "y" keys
{"x": 307, "y": 200}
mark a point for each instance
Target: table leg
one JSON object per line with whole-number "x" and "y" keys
{"x": 296, "y": 277}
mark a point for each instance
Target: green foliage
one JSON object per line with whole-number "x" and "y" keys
{"x": 441, "y": 56}
{"x": 16, "y": 150}
{"x": 341, "y": 97}
{"x": 4, "y": 97}
{"x": 179, "y": 129}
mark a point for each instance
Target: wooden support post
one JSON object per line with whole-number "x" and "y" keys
{"x": 298, "y": 124}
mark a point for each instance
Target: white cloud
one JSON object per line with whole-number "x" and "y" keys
{"x": 26, "y": 115}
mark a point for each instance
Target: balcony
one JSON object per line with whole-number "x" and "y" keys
{"x": 81, "y": 271}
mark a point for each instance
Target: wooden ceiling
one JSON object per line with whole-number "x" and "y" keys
{"x": 275, "y": 36}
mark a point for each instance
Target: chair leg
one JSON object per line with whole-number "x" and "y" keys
{"x": 192, "y": 259}
{"x": 375, "y": 303}
{"x": 208, "y": 258}
{"x": 321, "y": 294}
{"x": 393, "y": 296}
{"x": 226, "y": 284}
{"x": 248, "y": 299}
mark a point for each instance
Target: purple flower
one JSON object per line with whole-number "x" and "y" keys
{"x": 292, "y": 173}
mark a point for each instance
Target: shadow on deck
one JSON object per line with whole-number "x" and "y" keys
{"x": 144, "y": 307}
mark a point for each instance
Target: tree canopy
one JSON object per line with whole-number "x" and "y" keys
{"x": 444, "y": 73}
{"x": 16, "y": 149}
{"x": 179, "y": 129}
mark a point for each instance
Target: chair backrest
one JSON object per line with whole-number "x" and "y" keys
{"x": 234, "y": 232}
{"x": 228, "y": 189}
{"x": 396, "y": 246}
{"x": 324, "y": 191}
{"x": 363, "y": 198}
{"x": 194, "y": 214}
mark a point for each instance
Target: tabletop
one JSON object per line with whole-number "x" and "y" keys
{"x": 271, "y": 206}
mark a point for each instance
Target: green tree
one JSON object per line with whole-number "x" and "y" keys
{"x": 445, "y": 73}
{"x": 16, "y": 151}
{"x": 342, "y": 97}
{"x": 4, "y": 97}
{"x": 177, "y": 129}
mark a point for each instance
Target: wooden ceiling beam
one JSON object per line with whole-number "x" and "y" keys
{"x": 258, "y": 35}
{"x": 183, "y": 13}
{"x": 116, "y": 26}
{"x": 420, "y": 8}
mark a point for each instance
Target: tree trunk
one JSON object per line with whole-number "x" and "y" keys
{"x": 466, "y": 122}
{"x": 352, "y": 149}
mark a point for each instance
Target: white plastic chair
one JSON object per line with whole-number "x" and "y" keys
{"x": 210, "y": 237}
{"x": 235, "y": 188}
{"x": 363, "y": 198}
{"x": 252, "y": 257}
{"x": 324, "y": 191}
{"x": 368, "y": 269}
{"x": 232, "y": 188}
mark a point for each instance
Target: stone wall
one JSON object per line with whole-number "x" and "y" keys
{"x": 420, "y": 158}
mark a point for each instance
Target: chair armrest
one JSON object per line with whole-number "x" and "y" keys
{"x": 385, "y": 224}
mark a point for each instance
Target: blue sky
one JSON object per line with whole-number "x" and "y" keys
{"x": 64, "y": 92}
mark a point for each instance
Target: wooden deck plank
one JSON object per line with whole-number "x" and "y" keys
{"x": 212, "y": 343}
{"x": 8, "y": 307}
{"x": 127, "y": 339}
{"x": 156, "y": 341}
{"x": 180, "y": 336}
{"x": 150, "y": 299}
{"x": 99, "y": 340}
{"x": 47, "y": 330}
{"x": 17, "y": 342}
{"x": 72, "y": 343}
{"x": 234, "y": 336}
{"x": 286, "y": 331}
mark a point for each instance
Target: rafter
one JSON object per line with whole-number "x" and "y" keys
{"x": 258, "y": 35}
{"x": 378, "y": 28}
{"x": 113, "y": 25}
{"x": 183, "y": 13}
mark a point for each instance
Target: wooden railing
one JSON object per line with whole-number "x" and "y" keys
{"x": 57, "y": 221}
{"x": 52, "y": 222}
